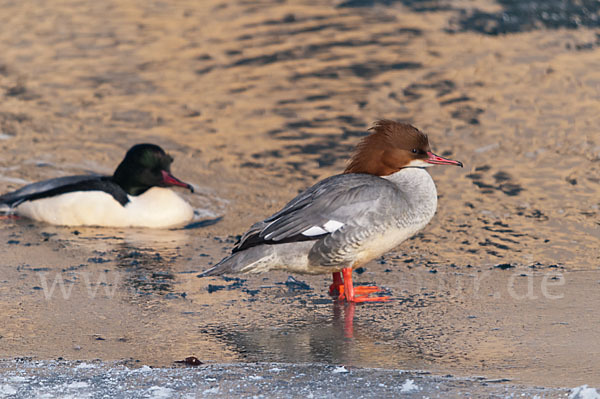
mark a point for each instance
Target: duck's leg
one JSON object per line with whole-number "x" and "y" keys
{"x": 337, "y": 286}
{"x": 358, "y": 294}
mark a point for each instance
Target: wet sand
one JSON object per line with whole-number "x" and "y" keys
{"x": 256, "y": 102}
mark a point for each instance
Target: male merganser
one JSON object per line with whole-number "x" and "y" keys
{"x": 133, "y": 196}
{"x": 384, "y": 196}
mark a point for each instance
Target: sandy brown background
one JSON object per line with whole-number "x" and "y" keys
{"x": 259, "y": 100}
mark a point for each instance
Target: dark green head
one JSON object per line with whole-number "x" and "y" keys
{"x": 146, "y": 166}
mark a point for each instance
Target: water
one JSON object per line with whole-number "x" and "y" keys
{"x": 257, "y": 102}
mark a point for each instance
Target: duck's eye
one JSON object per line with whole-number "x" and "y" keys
{"x": 415, "y": 151}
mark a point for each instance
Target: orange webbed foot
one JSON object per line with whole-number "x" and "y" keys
{"x": 366, "y": 289}
{"x": 361, "y": 294}
{"x": 358, "y": 299}
{"x": 354, "y": 294}
{"x": 361, "y": 290}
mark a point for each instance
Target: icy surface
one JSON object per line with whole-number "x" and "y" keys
{"x": 26, "y": 378}
{"x": 583, "y": 392}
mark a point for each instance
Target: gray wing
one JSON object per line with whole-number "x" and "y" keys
{"x": 14, "y": 198}
{"x": 329, "y": 205}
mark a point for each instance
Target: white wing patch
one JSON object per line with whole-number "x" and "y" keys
{"x": 332, "y": 225}
{"x": 314, "y": 231}
{"x": 328, "y": 227}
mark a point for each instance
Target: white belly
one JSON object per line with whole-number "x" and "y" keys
{"x": 157, "y": 207}
{"x": 380, "y": 244}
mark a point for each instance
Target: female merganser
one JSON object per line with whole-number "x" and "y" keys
{"x": 133, "y": 196}
{"x": 384, "y": 197}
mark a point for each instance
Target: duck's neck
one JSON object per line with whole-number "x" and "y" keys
{"x": 129, "y": 185}
{"x": 418, "y": 188}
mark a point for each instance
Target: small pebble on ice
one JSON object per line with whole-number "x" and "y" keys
{"x": 6, "y": 389}
{"x": 340, "y": 369}
{"x": 409, "y": 386}
{"x": 160, "y": 392}
{"x": 78, "y": 385}
{"x": 84, "y": 366}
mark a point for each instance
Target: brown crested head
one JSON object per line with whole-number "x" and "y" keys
{"x": 390, "y": 147}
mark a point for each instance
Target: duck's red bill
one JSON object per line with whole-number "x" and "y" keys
{"x": 171, "y": 180}
{"x": 437, "y": 160}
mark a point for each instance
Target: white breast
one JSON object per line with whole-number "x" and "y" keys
{"x": 158, "y": 207}
{"x": 419, "y": 190}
